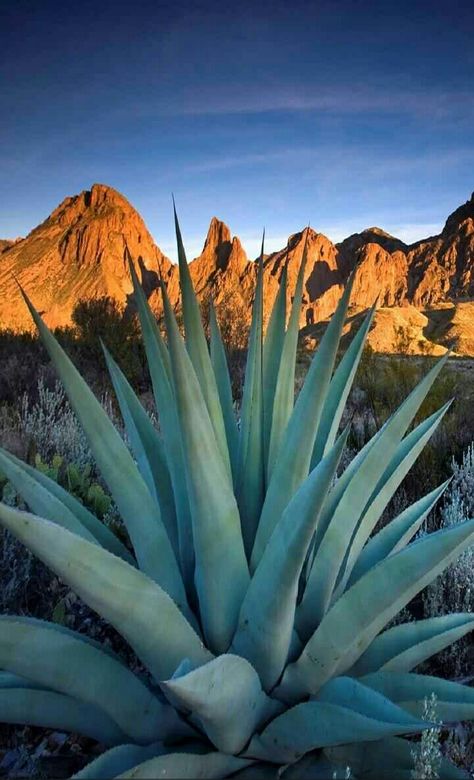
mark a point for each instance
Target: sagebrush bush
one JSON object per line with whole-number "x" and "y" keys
{"x": 454, "y": 589}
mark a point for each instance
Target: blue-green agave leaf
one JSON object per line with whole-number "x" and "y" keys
{"x": 196, "y": 345}
{"x": 9, "y": 680}
{"x": 454, "y": 702}
{"x": 59, "y": 628}
{"x": 272, "y": 352}
{"x": 135, "y": 605}
{"x": 261, "y": 771}
{"x": 332, "y": 549}
{"x": 284, "y": 392}
{"x": 339, "y": 490}
{"x": 147, "y": 446}
{"x": 359, "y": 696}
{"x": 339, "y": 390}
{"x": 117, "y": 760}
{"x": 33, "y": 707}
{"x": 407, "y": 452}
{"x": 386, "y": 758}
{"x": 250, "y": 483}
{"x": 314, "y": 766}
{"x": 353, "y": 622}
{"x": 267, "y": 615}
{"x": 221, "y": 567}
{"x": 294, "y": 456}
{"x": 359, "y": 716}
{"x": 226, "y": 700}
{"x": 45, "y": 497}
{"x": 66, "y": 664}
{"x": 139, "y": 510}
{"x": 221, "y": 371}
{"x": 162, "y": 382}
{"x": 187, "y": 766}
{"x": 38, "y": 498}
{"x": 401, "y": 648}
{"x": 394, "y": 536}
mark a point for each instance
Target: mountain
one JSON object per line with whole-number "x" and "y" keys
{"x": 77, "y": 253}
{"x": 422, "y": 289}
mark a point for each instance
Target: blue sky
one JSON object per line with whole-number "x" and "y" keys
{"x": 341, "y": 114}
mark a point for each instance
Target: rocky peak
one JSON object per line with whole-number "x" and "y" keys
{"x": 373, "y": 235}
{"x": 460, "y": 215}
{"x": 78, "y": 253}
{"x": 217, "y": 234}
{"x": 217, "y": 246}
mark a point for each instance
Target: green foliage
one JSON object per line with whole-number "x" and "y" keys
{"x": 256, "y": 598}
{"x": 77, "y": 481}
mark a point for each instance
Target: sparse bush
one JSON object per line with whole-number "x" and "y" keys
{"x": 453, "y": 591}
{"x": 53, "y": 427}
{"x": 427, "y": 756}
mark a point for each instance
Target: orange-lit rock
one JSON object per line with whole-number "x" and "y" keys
{"x": 78, "y": 253}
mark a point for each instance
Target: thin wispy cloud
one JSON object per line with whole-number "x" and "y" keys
{"x": 338, "y": 99}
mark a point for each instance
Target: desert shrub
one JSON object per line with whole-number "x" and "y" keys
{"x": 23, "y": 359}
{"x": 53, "y": 427}
{"x": 104, "y": 319}
{"x": 454, "y": 589}
{"x": 427, "y": 754}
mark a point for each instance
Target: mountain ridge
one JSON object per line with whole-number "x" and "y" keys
{"x": 78, "y": 253}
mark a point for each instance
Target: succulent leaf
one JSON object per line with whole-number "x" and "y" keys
{"x": 143, "y": 613}
{"x": 407, "y": 452}
{"x": 392, "y": 757}
{"x": 138, "y": 508}
{"x": 454, "y": 702}
{"x": 250, "y": 481}
{"x": 197, "y": 348}
{"x": 345, "y": 522}
{"x": 284, "y": 393}
{"x": 39, "y": 498}
{"x": 361, "y": 715}
{"x": 62, "y": 662}
{"x": 188, "y": 766}
{"x": 147, "y": 447}
{"x": 268, "y": 610}
{"x": 339, "y": 389}
{"x": 353, "y": 622}
{"x": 221, "y": 371}
{"x": 33, "y": 707}
{"x": 161, "y": 379}
{"x": 294, "y": 456}
{"x": 226, "y": 699}
{"x": 117, "y": 760}
{"x": 45, "y": 496}
{"x": 221, "y": 575}
{"x": 394, "y": 536}
{"x": 401, "y": 648}
{"x": 272, "y": 351}
{"x": 387, "y": 758}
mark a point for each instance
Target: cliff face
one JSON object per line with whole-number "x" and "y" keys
{"x": 442, "y": 267}
{"x": 78, "y": 253}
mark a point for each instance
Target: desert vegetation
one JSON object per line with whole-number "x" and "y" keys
{"x": 280, "y": 605}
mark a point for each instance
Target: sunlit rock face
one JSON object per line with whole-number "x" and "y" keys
{"x": 77, "y": 253}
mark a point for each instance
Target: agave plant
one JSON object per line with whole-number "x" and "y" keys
{"x": 254, "y": 591}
